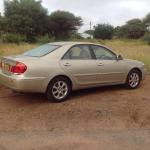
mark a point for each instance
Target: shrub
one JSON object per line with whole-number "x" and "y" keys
{"x": 147, "y": 38}
{"x": 133, "y": 29}
{"x": 103, "y": 31}
{"x": 13, "y": 38}
{"x": 75, "y": 36}
{"x": 45, "y": 39}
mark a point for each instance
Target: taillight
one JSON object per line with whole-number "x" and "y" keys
{"x": 19, "y": 68}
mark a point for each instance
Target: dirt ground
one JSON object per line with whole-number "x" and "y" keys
{"x": 106, "y": 118}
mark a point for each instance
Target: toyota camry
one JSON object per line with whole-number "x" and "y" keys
{"x": 58, "y": 68}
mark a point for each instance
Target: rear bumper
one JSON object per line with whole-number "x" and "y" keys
{"x": 23, "y": 84}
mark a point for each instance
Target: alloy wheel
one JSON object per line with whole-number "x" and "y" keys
{"x": 60, "y": 90}
{"x": 134, "y": 79}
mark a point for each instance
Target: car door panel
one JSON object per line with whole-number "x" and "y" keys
{"x": 111, "y": 71}
{"x": 84, "y": 72}
{"x": 80, "y": 65}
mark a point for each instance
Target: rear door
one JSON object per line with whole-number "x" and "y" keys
{"x": 78, "y": 63}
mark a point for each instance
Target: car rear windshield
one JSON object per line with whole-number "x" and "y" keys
{"x": 41, "y": 51}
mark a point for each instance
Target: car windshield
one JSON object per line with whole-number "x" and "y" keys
{"x": 41, "y": 51}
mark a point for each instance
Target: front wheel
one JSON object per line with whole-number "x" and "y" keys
{"x": 133, "y": 79}
{"x": 59, "y": 89}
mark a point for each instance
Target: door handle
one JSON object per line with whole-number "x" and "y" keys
{"x": 100, "y": 64}
{"x": 67, "y": 64}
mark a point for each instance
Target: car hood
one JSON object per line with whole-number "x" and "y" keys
{"x": 134, "y": 61}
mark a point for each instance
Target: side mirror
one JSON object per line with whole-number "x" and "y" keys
{"x": 119, "y": 57}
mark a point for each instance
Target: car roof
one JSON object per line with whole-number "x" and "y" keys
{"x": 71, "y": 43}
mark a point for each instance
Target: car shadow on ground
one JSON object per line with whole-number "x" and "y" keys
{"x": 41, "y": 98}
{"x": 96, "y": 90}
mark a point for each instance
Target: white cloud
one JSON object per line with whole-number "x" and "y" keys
{"x": 1, "y": 6}
{"x": 135, "y": 5}
{"x": 115, "y": 12}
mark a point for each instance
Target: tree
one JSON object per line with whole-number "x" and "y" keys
{"x": 2, "y": 22}
{"x": 2, "y": 25}
{"x": 26, "y": 17}
{"x": 62, "y": 23}
{"x": 146, "y": 20}
{"x": 90, "y": 32}
{"x": 103, "y": 31}
{"x": 117, "y": 31}
{"x": 133, "y": 29}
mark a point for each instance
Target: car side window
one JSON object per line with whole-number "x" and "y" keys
{"x": 81, "y": 52}
{"x": 103, "y": 53}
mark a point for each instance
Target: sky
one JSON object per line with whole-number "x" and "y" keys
{"x": 115, "y": 12}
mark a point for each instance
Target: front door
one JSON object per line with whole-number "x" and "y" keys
{"x": 80, "y": 65}
{"x": 109, "y": 69}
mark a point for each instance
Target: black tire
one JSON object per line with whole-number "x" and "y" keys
{"x": 49, "y": 93}
{"x": 138, "y": 75}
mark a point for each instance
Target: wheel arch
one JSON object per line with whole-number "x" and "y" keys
{"x": 58, "y": 76}
{"x": 137, "y": 69}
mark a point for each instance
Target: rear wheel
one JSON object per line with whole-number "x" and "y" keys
{"x": 59, "y": 89}
{"x": 133, "y": 79}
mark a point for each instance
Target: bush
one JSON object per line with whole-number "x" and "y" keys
{"x": 103, "y": 31}
{"x": 147, "y": 38}
{"x": 133, "y": 29}
{"x": 13, "y": 38}
{"x": 75, "y": 36}
{"x": 45, "y": 39}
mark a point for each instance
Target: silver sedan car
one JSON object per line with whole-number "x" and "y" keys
{"x": 58, "y": 68}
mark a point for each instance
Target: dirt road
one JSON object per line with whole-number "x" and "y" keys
{"x": 107, "y": 118}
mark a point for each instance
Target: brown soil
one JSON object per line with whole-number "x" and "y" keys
{"x": 106, "y": 118}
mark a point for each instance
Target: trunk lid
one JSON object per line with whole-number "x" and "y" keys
{"x": 8, "y": 62}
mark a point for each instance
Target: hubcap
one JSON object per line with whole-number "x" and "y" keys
{"x": 60, "y": 90}
{"x": 134, "y": 80}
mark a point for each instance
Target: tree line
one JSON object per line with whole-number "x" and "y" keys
{"x": 29, "y": 21}
{"x": 133, "y": 29}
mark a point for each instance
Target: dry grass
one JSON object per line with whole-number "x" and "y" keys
{"x": 11, "y": 49}
{"x": 134, "y": 49}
